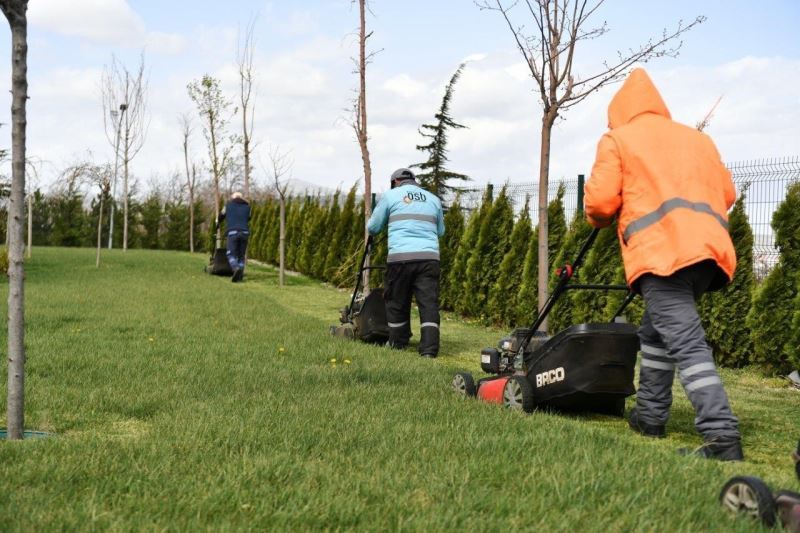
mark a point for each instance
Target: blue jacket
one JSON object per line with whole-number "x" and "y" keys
{"x": 415, "y": 223}
{"x": 237, "y": 215}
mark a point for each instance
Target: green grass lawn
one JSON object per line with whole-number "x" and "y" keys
{"x": 182, "y": 401}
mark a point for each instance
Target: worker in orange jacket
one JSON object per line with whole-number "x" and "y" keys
{"x": 670, "y": 193}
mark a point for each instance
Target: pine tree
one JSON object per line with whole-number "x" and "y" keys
{"x": 294, "y": 231}
{"x": 503, "y": 297}
{"x": 458, "y": 272}
{"x": 340, "y": 239}
{"x": 526, "y": 306}
{"x": 771, "y": 317}
{"x": 448, "y": 247}
{"x": 527, "y": 299}
{"x": 602, "y": 265}
{"x": 434, "y": 175}
{"x": 331, "y": 222}
{"x": 725, "y": 311}
{"x": 579, "y": 230}
{"x": 556, "y": 223}
{"x": 484, "y": 262}
{"x": 312, "y": 232}
{"x": 467, "y": 243}
{"x": 151, "y": 221}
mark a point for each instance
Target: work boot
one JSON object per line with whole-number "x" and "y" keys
{"x": 428, "y": 355}
{"x": 237, "y": 275}
{"x": 721, "y": 449}
{"x": 655, "y": 432}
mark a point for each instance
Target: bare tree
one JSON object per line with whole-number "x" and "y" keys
{"x": 127, "y": 91}
{"x": 99, "y": 176}
{"x": 244, "y": 60}
{"x": 215, "y": 112}
{"x": 360, "y": 119}
{"x": 549, "y": 51}
{"x": 280, "y": 164}
{"x": 703, "y": 124}
{"x": 191, "y": 177}
{"x": 33, "y": 165}
{"x": 15, "y": 13}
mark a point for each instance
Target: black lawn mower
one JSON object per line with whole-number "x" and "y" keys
{"x": 584, "y": 368}
{"x": 751, "y": 497}
{"x": 365, "y": 318}
{"x": 218, "y": 264}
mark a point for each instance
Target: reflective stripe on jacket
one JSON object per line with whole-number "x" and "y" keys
{"x": 415, "y": 221}
{"x": 665, "y": 182}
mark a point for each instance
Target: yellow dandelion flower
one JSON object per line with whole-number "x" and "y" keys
{"x": 281, "y": 349}
{"x": 151, "y": 339}
{"x": 347, "y": 361}
{"x": 333, "y": 361}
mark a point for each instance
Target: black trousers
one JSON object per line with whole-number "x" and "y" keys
{"x": 420, "y": 279}
{"x": 237, "y": 248}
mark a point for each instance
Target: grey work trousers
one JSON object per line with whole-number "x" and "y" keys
{"x": 672, "y": 335}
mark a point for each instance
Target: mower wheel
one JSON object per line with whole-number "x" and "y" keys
{"x": 463, "y": 383}
{"x": 749, "y": 496}
{"x": 518, "y": 394}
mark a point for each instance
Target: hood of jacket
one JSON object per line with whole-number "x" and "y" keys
{"x": 637, "y": 95}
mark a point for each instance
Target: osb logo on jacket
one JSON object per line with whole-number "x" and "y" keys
{"x": 665, "y": 182}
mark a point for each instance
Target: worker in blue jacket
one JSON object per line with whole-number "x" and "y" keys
{"x": 416, "y": 222}
{"x": 237, "y": 215}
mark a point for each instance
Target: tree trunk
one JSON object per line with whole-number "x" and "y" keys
{"x": 99, "y": 231}
{"x": 30, "y": 225}
{"x": 16, "y": 212}
{"x": 544, "y": 178}
{"x": 216, "y": 171}
{"x": 362, "y": 129}
{"x": 189, "y": 185}
{"x": 281, "y": 244}
{"x": 125, "y": 186}
{"x": 246, "y": 146}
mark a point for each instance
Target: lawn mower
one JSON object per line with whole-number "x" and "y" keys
{"x": 218, "y": 264}
{"x": 365, "y": 318}
{"x": 752, "y": 497}
{"x": 584, "y": 368}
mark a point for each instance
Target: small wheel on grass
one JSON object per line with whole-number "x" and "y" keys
{"x": 518, "y": 394}
{"x": 463, "y": 383}
{"x": 749, "y": 496}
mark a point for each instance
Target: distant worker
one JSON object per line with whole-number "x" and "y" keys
{"x": 415, "y": 223}
{"x": 666, "y": 184}
{"x": 237, "y": 215}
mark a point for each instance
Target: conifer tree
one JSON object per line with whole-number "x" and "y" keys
{"x": 458, "y": 272}
{"x": 502, "y": 299}
{"x": 771, "y": 316}
{"x": 578, "y": 232}
{"x": 271, "y": 249}
{"x": 312, "y": 230}
{"x": 448, "y": 246}
{"x": 557, "y": 223}
{"x": 294, "y": 225}
{"x": 458, "y": 279}
{"x": 340, "y": 238}
{"x": 526, "y": 300}
{"x": 602, "y": 265}
{"x": 484, "y": 262}
{"x": 380, "y": 249}
{"x": 434, "y": 175}
{"x": 725, "y": 311}
{"x": 331, "y": 222}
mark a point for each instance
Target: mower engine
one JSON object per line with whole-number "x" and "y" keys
{"x": 507, "y": 357}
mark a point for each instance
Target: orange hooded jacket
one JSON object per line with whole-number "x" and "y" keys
{"x": 666, "y": 184}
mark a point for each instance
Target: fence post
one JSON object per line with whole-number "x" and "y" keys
{"x": 581, "y": 180}
{"x": 490, "y": 192}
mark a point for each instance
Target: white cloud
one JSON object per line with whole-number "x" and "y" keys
{"x": 110, "y": 21}
{"x": 102, "y": 21}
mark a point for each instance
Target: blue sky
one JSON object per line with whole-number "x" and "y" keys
{"x": 747, "y": 51}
